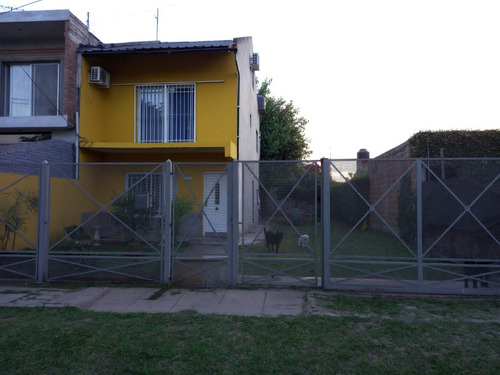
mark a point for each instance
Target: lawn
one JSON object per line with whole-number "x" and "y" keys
{"x": 306, "y": 262}
{"x": 362, "y": 335}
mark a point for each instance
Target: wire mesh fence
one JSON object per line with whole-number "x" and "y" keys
{"x": 417, "y": 225}
{"x": 18, "y": 218}
{"x": 280, "y": 214}
{"x": 201, "y": 248}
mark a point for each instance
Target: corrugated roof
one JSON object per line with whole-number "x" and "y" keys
{"x": 158, "y": 47}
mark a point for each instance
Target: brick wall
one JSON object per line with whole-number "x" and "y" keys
{"x": 61, "y": 49}
{"x": 75, "y": 33}
{"x": 25, "y": 157}
{"x": 384, "y": 171}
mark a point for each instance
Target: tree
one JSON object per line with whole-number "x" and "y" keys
{"x": 282, "y": 130}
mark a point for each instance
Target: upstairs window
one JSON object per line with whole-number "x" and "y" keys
{"x": 33, "y": 90}
{"x": 165, "y": 113}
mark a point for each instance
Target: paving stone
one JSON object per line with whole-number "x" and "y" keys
{"x": 283, "y": 302}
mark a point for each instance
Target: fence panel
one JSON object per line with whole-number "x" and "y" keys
{"x": 409, "y": 225}
{"x": 18, "y": 221}
{"x": 279, "y": 243}
{"x": 461, "y": 224}
{"x": 367, "y": 249}
{"x": 414, "y": 225}
{"x": 106, "y": 222}
{"x": 202, "y": 216}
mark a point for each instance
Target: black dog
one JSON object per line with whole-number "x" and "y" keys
{"x": 273, "y": 240}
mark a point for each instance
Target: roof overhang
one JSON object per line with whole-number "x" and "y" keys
{"x": 35, "y": 26}
{"x": 158, "y": 47}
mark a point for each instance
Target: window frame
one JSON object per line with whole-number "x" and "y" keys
{"x": 152, "y": 196}
{"x": 7, "y": 86}
{"x": 166, "y": 130}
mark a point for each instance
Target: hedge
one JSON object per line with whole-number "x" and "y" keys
{"x": 455, "y": 143}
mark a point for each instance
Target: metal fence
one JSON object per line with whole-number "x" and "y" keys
{"x": 412, "y": 225}
{"x": 408, "y": 225}
{"x": 279, "y": 243}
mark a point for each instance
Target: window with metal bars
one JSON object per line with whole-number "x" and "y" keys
{"x": 148, "y": 185}
{"x": 165, "y": 113}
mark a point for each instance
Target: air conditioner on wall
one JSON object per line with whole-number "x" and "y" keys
{"x": 99, "y": 76}
{"x": 254, "y": 62}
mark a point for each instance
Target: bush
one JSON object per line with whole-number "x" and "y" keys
{"x": 182, "y": 206}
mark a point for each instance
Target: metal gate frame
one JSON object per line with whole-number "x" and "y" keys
{"x": 199, "y": 263}
{"x": 420, "y": 262}
{"x": 236, "y": 258}
{"x": 46, "y": 255}
{"x": 292, "y": 261}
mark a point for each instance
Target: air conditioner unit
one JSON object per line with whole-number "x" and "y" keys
{"x": 254, "y": 62}
{"x": 99, "y": 76}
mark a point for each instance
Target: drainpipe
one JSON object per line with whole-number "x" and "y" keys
{"x": 237, "y": 107}
{"x": 77, "y": 112}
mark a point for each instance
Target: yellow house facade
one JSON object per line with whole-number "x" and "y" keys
{"x": 180, "y": 101}
{"x": 185, "y": 102}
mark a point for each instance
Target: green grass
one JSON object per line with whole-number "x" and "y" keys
{"x": 365, "y": 335}
{"x": 359, "y": 243}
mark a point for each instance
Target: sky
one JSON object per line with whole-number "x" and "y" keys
{"x": 364, "y": 73}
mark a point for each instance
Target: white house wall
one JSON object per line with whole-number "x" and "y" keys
{"x": 249, "y": 135}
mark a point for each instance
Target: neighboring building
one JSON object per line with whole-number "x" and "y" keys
{"x": 38, "y": 80}
{"x": 385, "y": 170}
{"x": 183, "y": 101}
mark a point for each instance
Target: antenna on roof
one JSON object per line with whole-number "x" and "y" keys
{"x": 88, "y": 28}
{"x": 157, "y": 16}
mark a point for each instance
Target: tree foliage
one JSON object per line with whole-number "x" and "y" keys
{"x": 282, "y": 129}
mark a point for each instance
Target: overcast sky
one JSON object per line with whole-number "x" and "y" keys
{"x": 365, "y": 73}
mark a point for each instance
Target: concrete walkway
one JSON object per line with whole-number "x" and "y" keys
{"x": 260, "y": 302}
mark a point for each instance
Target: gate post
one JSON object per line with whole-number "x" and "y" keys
{"x": 419, "y": 225}
{"x": 43, "y": 223}
{"x": 167, "y": 222}
{"x": 325, "y": 221}
{"x": 233, "y": 223}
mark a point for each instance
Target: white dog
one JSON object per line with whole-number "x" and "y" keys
{"x": 303, "y": 240}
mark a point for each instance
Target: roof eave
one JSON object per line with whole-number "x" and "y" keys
{"x": 137, "y": 50}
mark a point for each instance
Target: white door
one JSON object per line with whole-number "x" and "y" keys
{"x": 215, "y": 198}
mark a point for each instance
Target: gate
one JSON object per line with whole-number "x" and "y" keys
{"x": 279, "y": 223}
{"x": 408, "y": 225}
{"x": 107, "y": 224}
{"x": 204, "y": 224}
{"x": 412, "y": 225}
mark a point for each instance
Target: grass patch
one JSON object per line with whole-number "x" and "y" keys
{"x": 369, "y": 335}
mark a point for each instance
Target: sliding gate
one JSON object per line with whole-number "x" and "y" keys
{"x": 412, "y": 225}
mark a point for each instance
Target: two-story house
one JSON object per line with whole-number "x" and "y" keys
{"x": 38, "y": 80}
{"x": 181, "y": 101}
